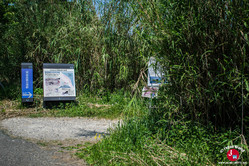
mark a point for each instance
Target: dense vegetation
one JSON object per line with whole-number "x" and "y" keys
{"x": 203, "y": 46}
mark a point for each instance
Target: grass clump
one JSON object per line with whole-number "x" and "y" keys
{"x": 89, "y": 105}
{"x": 101, "y": 105}
{"x": 142, "y": 141}
{"x": 108, "y": 105}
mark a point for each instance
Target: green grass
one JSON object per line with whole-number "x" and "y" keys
{"x": 106, "y": 105}
{"x": 137, "y": 143}
{"x": 111, "y": 106}
{"x": 144, "y": 138}
{"x": 42, "y": 143}
{"x": 72, "y": 147}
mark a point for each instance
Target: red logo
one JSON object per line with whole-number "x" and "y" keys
{"x": 233, "y": 155}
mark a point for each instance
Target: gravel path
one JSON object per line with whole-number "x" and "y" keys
{"x": 55, "y": 132}
{"x": 48, "y": 129}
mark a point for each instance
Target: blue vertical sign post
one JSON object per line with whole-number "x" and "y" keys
{"x": 27, "y": 82}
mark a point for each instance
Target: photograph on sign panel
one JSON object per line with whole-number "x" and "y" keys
{"x": 59, "y": 82}
{"x": 155, "y": 73}
{"x": 149, "y": 92}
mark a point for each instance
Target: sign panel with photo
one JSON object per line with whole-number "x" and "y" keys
{"x": 155, "y": 78}
{"x": 155, "y": 73}
{"x": 59, "y": 81}
{"x": 150, "y": 92}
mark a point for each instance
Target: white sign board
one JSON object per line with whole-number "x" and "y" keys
{"x": 155, "y": 73}
{"x": 150, "y": 92}
{"x": 59, "y": 83}
{"x": 155, "y": 78}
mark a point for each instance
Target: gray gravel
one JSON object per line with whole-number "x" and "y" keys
{"x": 48, "y": 129}
{"x": 19, "y": 152}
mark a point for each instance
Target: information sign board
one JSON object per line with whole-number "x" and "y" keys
{"x": 155, "y": 78}
{"x": 58, "y": 82}
{"x": 150, "y": 92}
{"x": 27, "y": 82}
{"x": 155, "y": 73}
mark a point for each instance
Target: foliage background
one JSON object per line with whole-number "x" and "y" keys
{"x": 203, "y": 45}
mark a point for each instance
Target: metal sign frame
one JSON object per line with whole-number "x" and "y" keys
{"x": 155, "y": 73}
{"x": 60, "y": 71}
